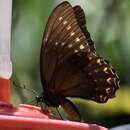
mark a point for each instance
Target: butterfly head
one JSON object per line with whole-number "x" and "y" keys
{"x": 49, "y": 98}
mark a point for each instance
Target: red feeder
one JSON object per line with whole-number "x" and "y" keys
{"x": 31, "y": 117}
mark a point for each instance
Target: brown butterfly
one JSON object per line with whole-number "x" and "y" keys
{"x": 69, "y": 65}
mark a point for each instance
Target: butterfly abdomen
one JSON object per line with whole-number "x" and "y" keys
{"x": 70, "y": 109}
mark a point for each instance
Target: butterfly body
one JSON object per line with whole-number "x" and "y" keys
{"x": 69, "y": 65}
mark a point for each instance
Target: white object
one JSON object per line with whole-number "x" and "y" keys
{"x": 5, "y": 38}
{"x": 121, "y": 127}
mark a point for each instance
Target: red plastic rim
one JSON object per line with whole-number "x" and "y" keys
{"x": 31, "y": 117}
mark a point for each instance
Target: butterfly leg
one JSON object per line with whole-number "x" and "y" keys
{"x": 59, "y": 113}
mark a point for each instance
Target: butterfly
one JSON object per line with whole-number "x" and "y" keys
{"x": 69, "y": 65}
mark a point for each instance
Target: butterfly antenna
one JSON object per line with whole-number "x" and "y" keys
{"x": 24, "y": 87}
{"x": 59, "y": 113}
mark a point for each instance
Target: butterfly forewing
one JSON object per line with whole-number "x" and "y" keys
{"x": 80, "y": 17}
{"x": 65, "y": 39}
{"x": 69, "y": 64}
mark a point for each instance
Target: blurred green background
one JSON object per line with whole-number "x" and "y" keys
{"x": 109, "y": 25}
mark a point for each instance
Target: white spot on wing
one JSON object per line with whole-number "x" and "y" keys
{"x": 102, "y": 98}
{"x": 60, "y": 18}
{"x": 90, "y": 58}
{"x": 108, "y": 90}
{"x": 109, "y": 80}
{"x": 95, "y": 80}
{"x": 56, "y": 43}
{"x": 115, "y": 81}
{"x": 77, "y": 39}
{"x": 72, "y": 33}
{"x": 65, "y": 22}
{"x": 69, "y": 27}
{"x": 90, "y": 73}
{"x": 45, "y": 40}
{"x": 75, "y": 51}
{"x": 96, "y": 70}
{"x": 70, "y": 45}
{"x": 105, "y": 70}
{"x": 99, "y": 61}
{"x": 81, "y": 47}
{"x": 62, "y": 44}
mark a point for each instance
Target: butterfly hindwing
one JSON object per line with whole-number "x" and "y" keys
{"x": 96, "y": 81}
